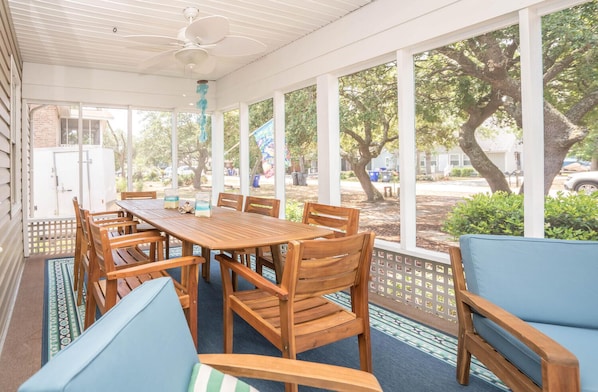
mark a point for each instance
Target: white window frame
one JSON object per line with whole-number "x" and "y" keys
{"x": 15, "y": 140}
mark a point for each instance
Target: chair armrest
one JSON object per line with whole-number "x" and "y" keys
{"x": 251, "y": 276}
{"x": 134, "y": 239}
{"x": 156, "y": 266}
{"x": 548, "y": 349}
{"x": 117, "y": 214}
{"x": 312, "y": 374}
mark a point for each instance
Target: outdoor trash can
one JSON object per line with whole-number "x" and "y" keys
{"x": 386, "y": 176}
{"x": 374, "y": 175}
{"x": 256, "y": 181}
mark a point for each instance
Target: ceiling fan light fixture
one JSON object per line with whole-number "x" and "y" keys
{"x": 188, "y": 56}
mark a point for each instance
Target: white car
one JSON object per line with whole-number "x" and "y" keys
{"x": 181, "y": 170}
{"x": 582, "y": 182}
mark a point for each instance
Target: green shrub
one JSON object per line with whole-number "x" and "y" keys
{"x": 572, "y": 217}
{"x": 121, "y": 184}
{"x": 456, "y": 172}
{"x": 467, "y": 172}
{"x": 347, "y": 174}
{"x": 138, "y": 186}
{"x": 462, "y": 172}
{"x": 566, "y": 216}
{"x": 294, "y": 211}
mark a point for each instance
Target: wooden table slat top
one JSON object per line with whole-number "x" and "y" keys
{"x": 225, "y": 229}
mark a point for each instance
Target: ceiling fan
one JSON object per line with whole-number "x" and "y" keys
{"x": 196, "y": 46}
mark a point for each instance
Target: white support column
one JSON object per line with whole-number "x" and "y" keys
{"x": 129, "y": 148}
{"x": 217, "y": 155}
{"x": 329, "y": 161}
{"x": 532, "y": 91}
{"x": 81, "y": 199}
{"x": 279, "y": 151}
{"x": 175, "y": 150}
{"x": 407, "y": 147}
{"x": 244, "y": 169}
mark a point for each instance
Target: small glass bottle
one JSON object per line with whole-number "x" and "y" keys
{"x": 203, "y": 206}
{"x": 171, "y": 198}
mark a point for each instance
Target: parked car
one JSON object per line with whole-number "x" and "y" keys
{"x": 181, "y": 171}
{"x": 582, "y": 182}
{"x": 574, "y": 165}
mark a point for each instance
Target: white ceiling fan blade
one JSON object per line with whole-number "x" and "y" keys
{"x": 153, "y": 39}
{"x": 234, "y": 45}
{"x": 160, "y": 61}
{"x": 208, "y": 30}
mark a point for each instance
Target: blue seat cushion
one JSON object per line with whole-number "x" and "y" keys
{"x": 582, "y": 342}
{"x": 142, "y": 344}
{"x": 537, "y": 279}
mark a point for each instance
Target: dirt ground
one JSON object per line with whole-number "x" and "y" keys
{"x": 383, "y": 218}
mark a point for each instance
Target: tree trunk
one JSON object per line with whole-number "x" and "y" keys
{"x": 372, "y": 194}
{"x": 479, "y": 160}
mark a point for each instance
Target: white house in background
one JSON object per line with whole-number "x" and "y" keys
{"x": 504, "y": 151}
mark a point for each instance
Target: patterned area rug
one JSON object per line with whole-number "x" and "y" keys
{"x": 63, "y": 322}
{"x": 63, "y": 319}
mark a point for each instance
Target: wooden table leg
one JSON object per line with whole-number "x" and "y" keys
{"x": 186, "y": 250}
{"x": 205, "y": 268}
{"x": 277, "y": 260}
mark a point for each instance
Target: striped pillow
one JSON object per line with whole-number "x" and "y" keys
{"x": 207, "y": 379}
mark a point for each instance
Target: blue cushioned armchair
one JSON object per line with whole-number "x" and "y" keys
{"x": 528, "y": 310}
{"x": 143, "y": 344}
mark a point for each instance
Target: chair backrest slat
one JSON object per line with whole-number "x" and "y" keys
{"x": 342, "y": 220}
{"x": 230, "y": 200}
{"x": 262, "y": 205}
{"x": 327, "y": 266}
{"x": 138, "y": 195}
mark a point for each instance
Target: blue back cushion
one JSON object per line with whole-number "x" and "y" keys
{"x": 141, "y": 344}
{"x": 539, "y": 280}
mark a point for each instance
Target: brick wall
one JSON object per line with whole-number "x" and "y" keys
{"x": 45, "y": 125}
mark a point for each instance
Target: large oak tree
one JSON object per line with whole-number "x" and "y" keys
{"x": 479, "y": 78}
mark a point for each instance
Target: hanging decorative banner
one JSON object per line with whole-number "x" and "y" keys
{"x": 202, "y": 104}
{"x": 264, "y": 137}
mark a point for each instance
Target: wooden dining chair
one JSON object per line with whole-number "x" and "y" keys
{"x": 234, "y": 201}
{"x": 143, "y": 226}
{"x": 296, "y": 316}
{"x": 254, "y": 205}
{"x": 81, "y": 263}
{"x": 117, "y": 266}
{"x": 341, "y": 220}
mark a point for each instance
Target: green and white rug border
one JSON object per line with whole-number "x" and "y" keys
{"x": 65, "y": 321}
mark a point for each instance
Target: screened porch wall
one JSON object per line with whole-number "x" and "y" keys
{"x": 395, "y": 279}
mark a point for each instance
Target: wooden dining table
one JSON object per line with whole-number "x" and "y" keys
{"x": 225, "y": 229}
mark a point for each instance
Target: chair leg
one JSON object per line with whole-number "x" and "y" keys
{"x": 80, "y": 284}
{"x": 290, "y": 352}
{"x": 228, "y": 329}
{"x": 76, "y": 272}
{"x": 167, "y": 245}
{"x": 365, "y": 352}
{"x": 90, "y": 308}
{"x": 463, "y": 361}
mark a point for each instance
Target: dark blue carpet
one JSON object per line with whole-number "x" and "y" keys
{"x": 398, "y": 366}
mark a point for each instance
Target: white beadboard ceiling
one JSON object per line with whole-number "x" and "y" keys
{"x": 89, "y": 33}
